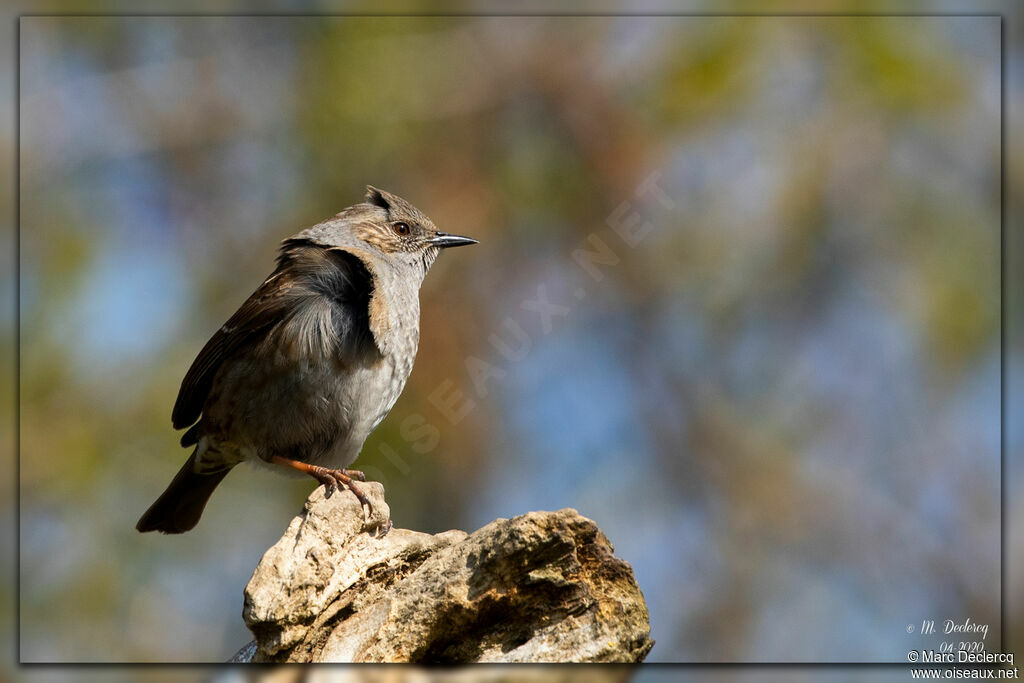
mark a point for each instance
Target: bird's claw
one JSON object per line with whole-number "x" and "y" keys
{"x": 335, "y": 479}
{"x": 360, "y": 496}
{"x": 355, "y": 474}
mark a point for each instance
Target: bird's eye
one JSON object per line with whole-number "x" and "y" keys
{"x": 401, "y": 228}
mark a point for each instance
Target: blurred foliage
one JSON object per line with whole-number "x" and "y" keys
{"x": 781, "y": 405}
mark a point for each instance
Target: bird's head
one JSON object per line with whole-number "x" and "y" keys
{"x": 394, "y": 227}
{"x": 385, "y": 228}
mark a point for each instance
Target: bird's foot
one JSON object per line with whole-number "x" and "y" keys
{"x": 355, "y": 474}
{"x": 331, "y": 479}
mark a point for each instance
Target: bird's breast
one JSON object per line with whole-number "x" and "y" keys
{"x": 384, "y": 383}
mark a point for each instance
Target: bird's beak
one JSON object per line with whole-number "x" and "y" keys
{"x": 444, "y": 240}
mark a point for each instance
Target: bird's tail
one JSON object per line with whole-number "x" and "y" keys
{"x": 179, "y": 507}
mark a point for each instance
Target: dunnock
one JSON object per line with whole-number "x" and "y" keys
{"x": 312, "y": 362}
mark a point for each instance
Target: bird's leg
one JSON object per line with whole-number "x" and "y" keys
{"x": 331, "y": 479}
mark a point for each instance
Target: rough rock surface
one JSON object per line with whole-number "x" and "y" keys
{"x": 541, "y": 587}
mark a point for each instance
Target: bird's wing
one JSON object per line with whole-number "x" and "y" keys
{"x": 361, "y": 266}
{"x": 307, "y": 276}
{"x": 260, "y": 312}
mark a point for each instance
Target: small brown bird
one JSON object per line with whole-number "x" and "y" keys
{"x": 312, "y": 362}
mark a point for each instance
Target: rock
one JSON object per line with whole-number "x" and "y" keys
{"x": 541, "y": 587}
{"x": 585, "y": 673}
